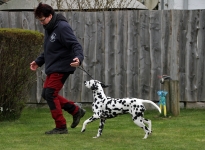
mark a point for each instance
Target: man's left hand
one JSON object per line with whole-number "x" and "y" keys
{"x": 75, "y": 63}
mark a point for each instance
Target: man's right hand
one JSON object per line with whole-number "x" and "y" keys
{"x": 33, "y": 66}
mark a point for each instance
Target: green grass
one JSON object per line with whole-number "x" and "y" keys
{"x": 185, "y": 132}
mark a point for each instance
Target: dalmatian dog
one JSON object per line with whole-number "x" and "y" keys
{"x": 105, "y": 107}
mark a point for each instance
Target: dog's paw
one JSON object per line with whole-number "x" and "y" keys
{"x": 149, "y": 133}
{"x": 146, "y": 135}
{"x": 95, "y": 137}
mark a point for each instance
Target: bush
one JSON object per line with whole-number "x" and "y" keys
{"x": 18, "y": 48}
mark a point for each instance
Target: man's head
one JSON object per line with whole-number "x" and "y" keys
{"x": 43, "y": 13}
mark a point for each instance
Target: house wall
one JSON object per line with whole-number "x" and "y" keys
{"x": 181, "y": 4}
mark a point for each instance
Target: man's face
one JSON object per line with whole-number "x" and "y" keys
{"x": 45, "y": 20}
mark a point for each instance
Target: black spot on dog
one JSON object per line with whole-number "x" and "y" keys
{"x": 139, "y": 114}
{"x": 109, "y": 102}
{"x": 117, "y": 109}
{"x": 134, "y": 118}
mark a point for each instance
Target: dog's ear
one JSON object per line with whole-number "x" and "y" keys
{"x": 104, "y": 86}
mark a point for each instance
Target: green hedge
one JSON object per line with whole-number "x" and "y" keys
{"x": 18, "y": 48}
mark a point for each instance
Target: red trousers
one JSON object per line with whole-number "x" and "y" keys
{"x": 52, "y": 85}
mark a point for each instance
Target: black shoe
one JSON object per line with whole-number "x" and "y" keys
{"x": 57, "y": 131}
{"x": 77, "y": 117}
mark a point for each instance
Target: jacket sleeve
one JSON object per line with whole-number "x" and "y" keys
{"x": 40, "y": 60}
{"x": 70, "y": 41}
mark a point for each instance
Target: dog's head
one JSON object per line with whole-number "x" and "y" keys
{"x": 94, "y": 84}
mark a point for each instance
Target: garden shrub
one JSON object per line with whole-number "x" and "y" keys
{"x": 18, "y": 48}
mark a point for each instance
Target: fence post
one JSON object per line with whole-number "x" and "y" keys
{"x": 173, "y": 97}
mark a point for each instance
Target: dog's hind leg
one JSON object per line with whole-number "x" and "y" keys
{"x": 100, "y": 129}
{"x": 149, "y": 123}
{"x": 139, "y": 121}
{"x": 89, "y": 120}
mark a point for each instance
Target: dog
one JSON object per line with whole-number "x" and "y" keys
{"x": 106, "y": 107}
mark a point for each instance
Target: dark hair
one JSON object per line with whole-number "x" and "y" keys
{"x": 43, "y": 10}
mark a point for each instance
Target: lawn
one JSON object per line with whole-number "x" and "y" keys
{"x": 185, "y": 132}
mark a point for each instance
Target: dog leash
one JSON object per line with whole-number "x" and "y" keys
{"x": 81, "y": 68}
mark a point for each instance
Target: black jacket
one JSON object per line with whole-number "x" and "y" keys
{"x": 60, "y": 48}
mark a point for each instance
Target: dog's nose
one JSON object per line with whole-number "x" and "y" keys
{"x": 84, "y": 81}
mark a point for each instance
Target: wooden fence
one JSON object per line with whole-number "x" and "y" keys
{"x": 129, "y": 49}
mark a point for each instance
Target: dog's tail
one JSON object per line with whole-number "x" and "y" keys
{"x": 151, "y": 102}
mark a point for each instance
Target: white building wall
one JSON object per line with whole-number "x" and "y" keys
{"x": 176, "y": 4}
{"x": 181, "y": 4}
{"x": 196, "y": 4}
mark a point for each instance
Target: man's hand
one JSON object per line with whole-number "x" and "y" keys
{"x": 75, "y": 63}
{"x": 33, "y": 66}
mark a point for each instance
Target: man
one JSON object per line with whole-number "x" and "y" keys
{"x": 62, "y": 54}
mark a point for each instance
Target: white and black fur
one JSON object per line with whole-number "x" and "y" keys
{"x": 106, "y": 107}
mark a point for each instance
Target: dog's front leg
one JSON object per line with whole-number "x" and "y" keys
{"x": 89, "y": 120}
{"x": 101, "y": 126}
